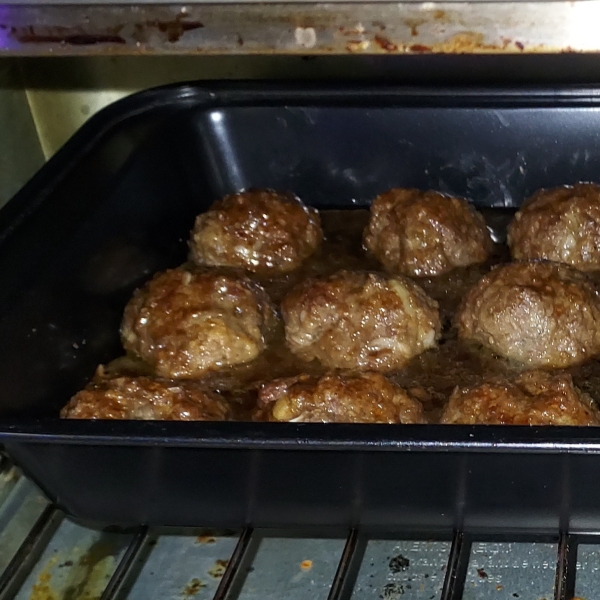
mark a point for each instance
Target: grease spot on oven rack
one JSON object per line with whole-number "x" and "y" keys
{"x": 77, "y": 563}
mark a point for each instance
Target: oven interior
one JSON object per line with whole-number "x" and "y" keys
{"x": 45, "y": 554}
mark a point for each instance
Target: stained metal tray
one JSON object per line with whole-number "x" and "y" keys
{"x": 304, "y": 27}
{"x": 116, "y": 204}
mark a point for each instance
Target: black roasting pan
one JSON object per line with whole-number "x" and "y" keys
{"x": 116, "y": 204}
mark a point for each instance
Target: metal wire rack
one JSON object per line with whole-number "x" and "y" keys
{"x": 46, "y": 556}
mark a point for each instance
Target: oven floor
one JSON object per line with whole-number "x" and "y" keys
{"x": 46, "y": 556}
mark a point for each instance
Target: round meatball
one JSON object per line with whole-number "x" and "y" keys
{"x": 360, "y": 320}
{"x": 533, "y": 398}
{"x": 535, "y": 313}
{"x": 560, "y": 224}
{"x": 261, "y": 231}
{"x": 186, "y": 323}
{"x": 146, "y": 398}
{"x": 424, "y": 234}
{"x": 342, "y": 398}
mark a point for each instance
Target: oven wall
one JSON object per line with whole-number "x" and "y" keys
{"x": 20, "y": 148}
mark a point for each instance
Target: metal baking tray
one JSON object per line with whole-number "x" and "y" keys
{"x": 116, "y": 204}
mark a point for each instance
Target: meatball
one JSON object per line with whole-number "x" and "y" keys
{"x": 261, "y": 231}
{"x": 560, "y": 224}
{"x": 145, "y": 398}
{"x": 341, "y": 398}
{"x": 360, "y": 320}
{"x": 533, "y": 398}
{"x": 535, "y": 313}
{"x": 424, "y": 234}
{"x": 186, "y": 323}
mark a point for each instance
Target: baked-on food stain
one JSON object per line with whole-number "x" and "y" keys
{"x": 425, "y": 234}
{"x": 532, "y": 398}
{"x": 185, "y": 323}
{"x": 259, "y": 230}
{"x": 560, "y": 224}
{"x": 398, "y": 564}
{"x": 338, "y": 398}
{"x": 360, "y": 320}
{"x": 538, "y": 314}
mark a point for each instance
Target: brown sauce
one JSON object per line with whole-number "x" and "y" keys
{"x": 429, "y": 377}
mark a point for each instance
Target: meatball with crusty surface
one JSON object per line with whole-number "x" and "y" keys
{"x": 539, "y": 314}
{"x": 360, "y": 320}
{"x": 145, "y": 398}
{"x": 423, "y": 234}
{"x": 185, "y": 323}
{"x": 259, "y": 230}
{"x": 560, "y": 224}
{"x": 338, "y": 398}
{"x": 533, "y": 398}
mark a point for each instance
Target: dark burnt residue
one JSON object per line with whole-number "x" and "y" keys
{"x": 176, "y": 28}
{"x": 391, "y": 591}
{"x": 67, "y": 563}
{"x": 419, "y": 48}
{"x": 71, "y": 36}
{"x": 398, "y": 564}
{"x": 193, "y": 587}
{"x": 173, "y": 29}
{"x": 385, "y": 44}
{"x": 519, "y": 45}
{"x": 218, "y": 569}
{"x": 482, "y": 573}
{"x": 414, "y": 25}
{"x": 88, "y": 35}
{"x": 89, "y": 40}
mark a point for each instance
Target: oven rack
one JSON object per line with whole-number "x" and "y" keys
{"x": 45, "y": 555}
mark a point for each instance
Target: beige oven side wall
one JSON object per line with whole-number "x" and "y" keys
{"x": 43, "y": 101}
{"x": 20, "y": 149}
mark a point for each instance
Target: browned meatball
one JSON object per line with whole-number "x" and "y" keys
{"x": 186, "y": 323}
{"x": 342, "y": 398}
{"x": 260, "y": 230}
{"x": 560, "y": 224}
{"x": 145, "y": 398}
{"x": 533, "y": 398}
{"x": 425, "y": 233}
{"x": 360, "y": 320}
{"x": 535, "y": 313}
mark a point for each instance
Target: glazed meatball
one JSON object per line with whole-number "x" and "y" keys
{"x": 360, "y": 320}
{"x": 145, "y": 398}
{"x": 424, "y": 234}
{"x": 561, "y": 224}
{"x": 338, "y": 398}
{"x": 533, "y": 398}
{"x": 534, "y": 313}
{"x": 261, "y": 231}
{"x": 186, "y": 323}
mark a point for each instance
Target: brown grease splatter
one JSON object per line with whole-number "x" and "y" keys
{"x": 385, "y": 44}
{"x": 193, "y": 587}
